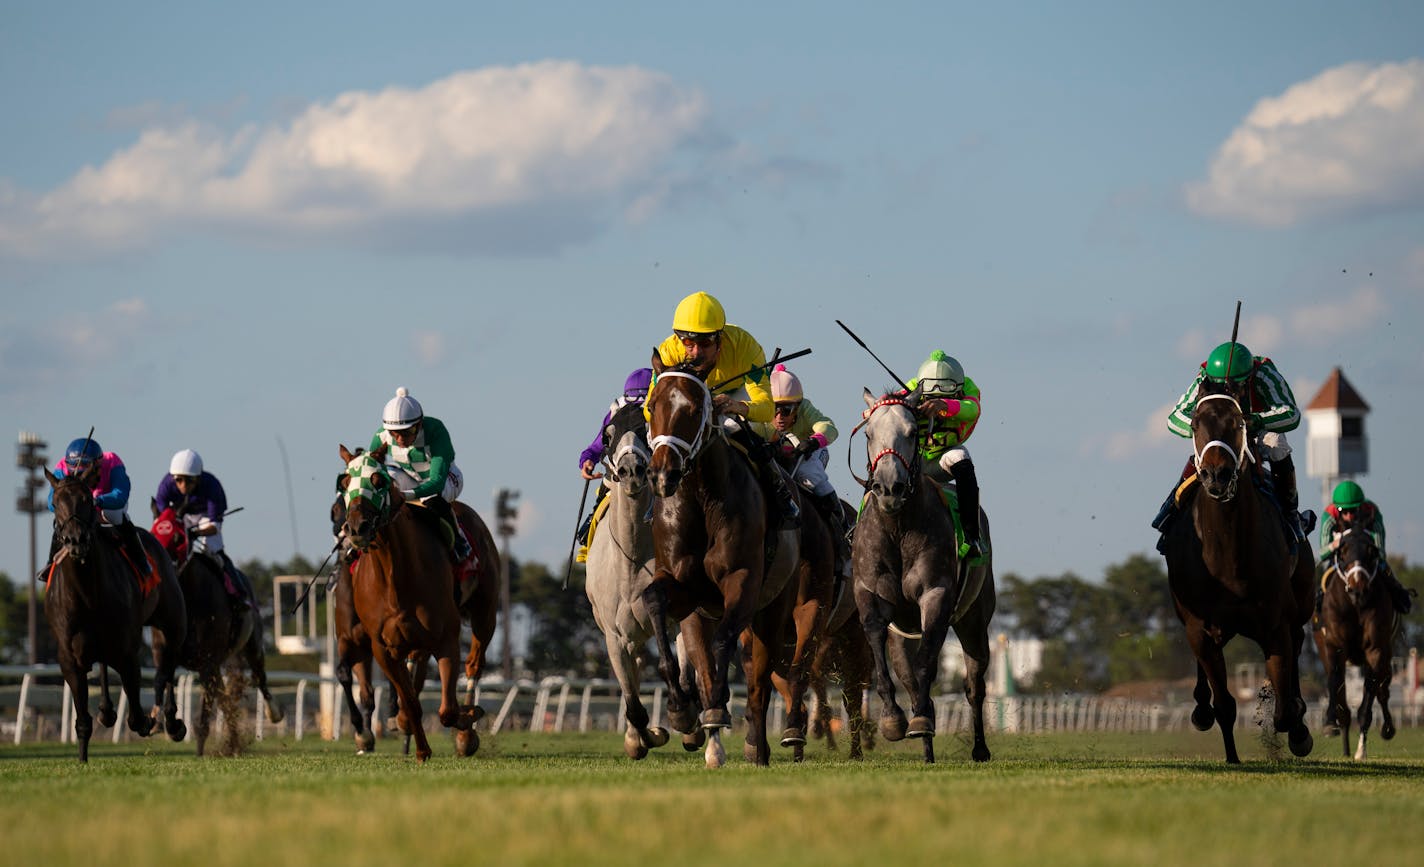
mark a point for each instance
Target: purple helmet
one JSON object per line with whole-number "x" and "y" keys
{"x": 635, "y": 387}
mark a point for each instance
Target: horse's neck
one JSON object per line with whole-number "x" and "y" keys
{"x": 625, "y": 521}
{"x": 1229, "y": 528}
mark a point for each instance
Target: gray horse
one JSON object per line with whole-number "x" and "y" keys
{"x": 909, "y": 577}
{"x": 620, "y": 566}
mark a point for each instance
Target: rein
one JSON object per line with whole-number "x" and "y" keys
{"x": 1356, "y": 568}
{"x": 1244, "y": 456}
{"x": 685, "y": 451}
{"x": 911, "y": 465}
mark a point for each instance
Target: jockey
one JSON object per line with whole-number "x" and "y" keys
{"x": 799, "y": 429}
{"x": 111, "y": 496}
{"x": 635, "y": 391}
{"x": 952, "y": 411}
{"x": 720, "y": 352}
{"x": 1270, "y": 410}
{"x": 197, "y": 498}
{"x": 1349, "y": 508}
{"x": 421, "y": 461}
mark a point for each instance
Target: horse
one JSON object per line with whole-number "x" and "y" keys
{"x": 1234, "y": 570}
{"x": 620, "y": 567}
{"x": 1357, "y": 626}
{"x": 910, "y": 577}
{"x": 97, "y": 611}
{"x": 845, "y": 653}
{"x": 404, "y": 594}
{"x": 215, "y": 637}
{"x": 710, "y": 533}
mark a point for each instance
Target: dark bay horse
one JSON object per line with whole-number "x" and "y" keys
{"x": 909, "y": 576}
{"x": 710, "y": 535}
{"x": 1357, "y": 626}
{"x": 97, "y": 612}
{"x": 844, "y": 653}
{"x": 404, "y": 592}
{"x": 1234, "y": 570}
{"x": 215, "y": 636}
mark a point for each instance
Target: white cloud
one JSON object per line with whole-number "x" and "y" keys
{"x": 1330, "y": 320}
{"x": 1153, "y": 433}
{"x": 1350, "y": 139}
{"x": 538, "y": 155}
{"x": 35, "y": 356}
{"x": 429, "y": 347}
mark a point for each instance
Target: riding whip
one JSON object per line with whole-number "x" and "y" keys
{"x": 583, "y": 501}
{"x": 776, "y": 358}
{"x": 315, "y": 575}
{"x": 1235, "y": 324}
{"x": 872, "y": 355}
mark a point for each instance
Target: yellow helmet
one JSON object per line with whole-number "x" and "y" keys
{"x": 699, "y": 313}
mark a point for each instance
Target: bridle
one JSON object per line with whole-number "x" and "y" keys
{"x": 686, "y": 451}
{"x": 363, "y": 470}
{"x": 1239, "y": 455}
{"x": 1357, "y": 567}
{"x": 74, "y": 531}
{"x": 911, "y": 464}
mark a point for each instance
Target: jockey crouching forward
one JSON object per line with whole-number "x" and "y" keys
{"x": 1349, "y": 509}
{"x": 421, "y": 462}
{"x": 1270, "y": 411}
{"x": 197, "y": 497}
{"x": 951, "y": 413}
{"x": 635, "y": 391}
{"x": 803, "y": 433}
{"x": 719, "y": 352}
{"x": 111, "y": 498}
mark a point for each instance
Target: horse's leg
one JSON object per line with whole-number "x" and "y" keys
{"x": 1383, "y": 675}
{"x": 362, "y": 670}
{"x": 638, "y": 736}
{"x": 107, "y": 715}
{"x": 973, "y": 635}
{"x": 212, "y": 684}
{"x": 809, "y": 618}
{"x": 687, "y": 677}
{"x": 410, "y": 718}
{"x": 360, "y": 722}
{"x": 761, "y": 646}
{"x": 165, "y": 678}
{"x": 875, "y": 614}
{"x": 655, "y": 598}
{"x": 1364, "y": 717}
{"x": 855, "y": 676}
{"x": 256, "y": 658}
{"x": 934, "y": 620}
{"x": 1280, "y": 670}
{"x": 1211, "y": 673}
{"x": 78, "y": 680}
{"x": 140, "y": 723}
{"x": 738, "y": 607}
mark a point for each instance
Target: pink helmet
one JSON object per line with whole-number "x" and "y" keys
{"x": 784, "y": 384}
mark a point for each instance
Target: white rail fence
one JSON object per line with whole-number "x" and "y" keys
{"x": 35, "y": 705}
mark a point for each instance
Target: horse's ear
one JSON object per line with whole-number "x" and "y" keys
{"x": 53, "y": 479}
{"x": 658, "y": 366}
{"x": 153, "y": 507}
{"x": 346, "y": 456}
{"x": 90, "y": 476}
{"x": 869, "y": 398}
{"x": 379, "y": 455}
{"x": 916, "y": 395}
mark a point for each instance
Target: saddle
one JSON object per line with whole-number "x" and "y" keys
{"x": 598, "y": 512}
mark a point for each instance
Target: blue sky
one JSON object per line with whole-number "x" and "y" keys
{"x": 218, "y": 229}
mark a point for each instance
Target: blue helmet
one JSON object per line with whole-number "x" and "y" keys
{"x": 80, "y": 453}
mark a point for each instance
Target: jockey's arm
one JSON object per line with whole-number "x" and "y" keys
{"x": 1179, "y": 420}
{"x": 442, "y": 455}
{"x": 1281, "y": 413}
{"x": 117, "y": 496}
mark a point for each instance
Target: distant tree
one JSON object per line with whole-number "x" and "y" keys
{"x": 15, "y": 625}
{"x": 563, "y": 637}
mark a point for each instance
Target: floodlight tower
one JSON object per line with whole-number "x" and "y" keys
{"x": 30, "y": 456}
{"x": 505, "y": 511}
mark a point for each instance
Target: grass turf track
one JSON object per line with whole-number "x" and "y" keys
{"x": 574, "y": 799}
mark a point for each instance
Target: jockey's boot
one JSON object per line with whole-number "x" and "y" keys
{"x": 460, "y": 547}
{"x": 49, "y": 561}
{"x": 133, "y": 547}
{"x": 1167, "y": 515}
{"x": 584, "y": 535}
{"x": 1398, "y": 593}
{"x": 1283, "y": 478}
{"x": 966, "y": 484}
{"x": 835, "y": 519}
{"x": 785, "y": 498}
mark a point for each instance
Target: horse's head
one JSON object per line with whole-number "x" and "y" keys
{"x": 680, "y": 421}
{"x": 892, "y": 454}
{"x": 370, "y": 496}
{"x": 1219, "y": 443}
{"x": 1357, "y": 561}
{"x": 625, "y": 449}
{"x": 76, "y": 518}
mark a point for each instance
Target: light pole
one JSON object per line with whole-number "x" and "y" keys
{"x": 505, "y": 512}
{"x": 30, "y": 456}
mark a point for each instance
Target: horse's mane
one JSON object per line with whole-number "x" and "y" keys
{"x": 627, "y": 417}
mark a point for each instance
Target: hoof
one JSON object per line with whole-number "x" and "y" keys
{"x": 682, "y": 719}
{"x": 892, "y": 727}
{"x": 792, "y": 737}
{"x": 467, "y": 743}
{"x": 1387, "y": 730}
{"x": 715, "y": 756}
{"x": 365, "y": 743}
{"x": 1331, "y": 730}
{"x": 1301, "y": 743}
{"x": 980, "y": 753}
{"x": 1202, "y": 718}
{"x": 633, "y": 745}
{"x": 749, "y": 752}
{"x": 143, "y": 728}
{"x": 275, "y": 714}
{"x": 656, "y": 736}
{"x": 107, "y": 717}
{"x": 818, "y": 728}
{"x": 693, "y": 741}
{"x": 921, "y": 727}
{"x": 177, "y": 730}
{"x": 715, "y": 718}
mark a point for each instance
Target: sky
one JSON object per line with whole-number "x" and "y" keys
{"x": 240, "y": 231}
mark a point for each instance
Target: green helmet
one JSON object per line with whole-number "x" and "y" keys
{"x": 1348, "y": 495}
{"x": 1229, "y": 360}
{"x": 941, "y": 376}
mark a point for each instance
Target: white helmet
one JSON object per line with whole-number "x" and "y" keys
{"x": 402, "y": 411}
{"x": 186, "y": 463}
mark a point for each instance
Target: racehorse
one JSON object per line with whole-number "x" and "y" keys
{"x": 404, "y": 593}
{"x": 1233, "y": 569}
{"x": 910, "y": 577}
{"x": 215, "y": 636}
{"x": 620, "y": 567}
{"x": 97, "y": 612}
{"x": 1357, "y": 626}
{"x": 844, "y": 652}
{"x": 711, "y": 574}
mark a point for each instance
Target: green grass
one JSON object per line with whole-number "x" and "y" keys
{"x": 574, "y": 799}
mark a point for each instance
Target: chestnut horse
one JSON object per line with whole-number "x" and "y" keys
{"x": 1233, "y": 569}
{"x": 910, "y": 579}
{"x": 710, "y": 534}
{"x": 404, "y": 592}
{"x": 1357, "y": 626}
{"x": 215, "y": 636}
{"x": 97, "y": 612}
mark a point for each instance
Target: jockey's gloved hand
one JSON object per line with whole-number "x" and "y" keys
{"x": 806, "y": 447}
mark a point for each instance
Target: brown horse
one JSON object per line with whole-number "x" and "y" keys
{"x": 710, "y": 535}
{"x": 910, "y": 578}
{"x": 404, "y": 592}
{"x": 216, "y": 636}
{"x": 1233, "y": 569}
{"x": 1357, "y": 626}
{"x": 97, "y": 612}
